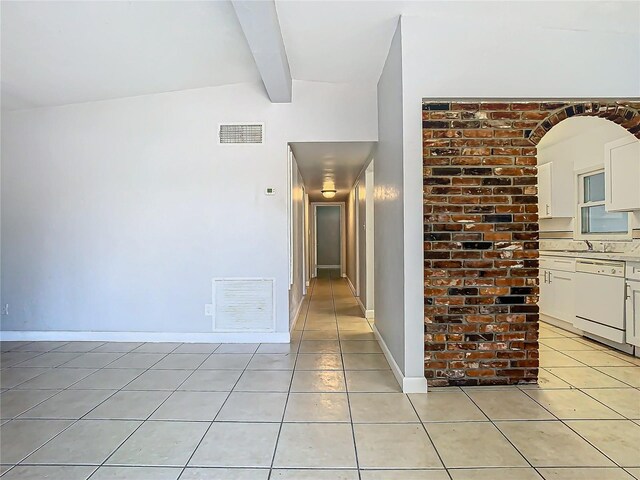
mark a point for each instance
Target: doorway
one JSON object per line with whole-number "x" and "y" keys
{"x": 328, "y": 237}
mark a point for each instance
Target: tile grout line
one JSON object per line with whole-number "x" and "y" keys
{"x": 59, "y": 391}
{"x": 75, "y": 421}
{"x": 557, "y": 419}
{"x": 591, "y": 349}
{"x": 581, "y": 391}
{"x": 54, "y": 395}
{"x": 608, "y": 351}
{"x": 501, "y": 432}
{"x": 99, "y": 389}
{"x": 424, "y": 427}
{"x": 298, "y": 350}
{"x": 293, "y": 372}
{"x": 219, "y": 410}
{"x": 591, "y": 444}
{"x": 346, "y": 387}
{"x": 142, "y": 422}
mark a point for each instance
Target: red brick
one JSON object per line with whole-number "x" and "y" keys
{"x": 480, "y": 159}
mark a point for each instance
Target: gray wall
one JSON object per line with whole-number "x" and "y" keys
{"x": 365, "y": 222}
{"x": 351, "y": 224}
{"x": 297, "y": 242}
{"x": 328, "y": 235}
{"x": 117, "y": 214}
{"x": 389, "y": 228}
{"x": 358, "y": 219}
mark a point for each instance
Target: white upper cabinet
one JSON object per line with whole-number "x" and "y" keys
{"x": 544, "y": 190}
{"x": 555, "y": 190}
{"x": 622, "y": 174}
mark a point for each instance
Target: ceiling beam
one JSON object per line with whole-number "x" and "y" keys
{"x": 259, "y": 22}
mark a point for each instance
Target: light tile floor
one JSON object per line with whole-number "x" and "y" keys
{"x": 324, "y": 407}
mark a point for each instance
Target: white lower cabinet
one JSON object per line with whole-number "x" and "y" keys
{"x": 557, "y": 291}
{"x": 632, "y": 303}
{"x": 633, "y": 313}
{"x": 545, "y": 298}
{"x": 563, "y": 289}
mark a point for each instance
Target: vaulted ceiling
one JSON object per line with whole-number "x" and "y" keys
{"x": 61, "y": 52}
{"x": 55, "y": 53}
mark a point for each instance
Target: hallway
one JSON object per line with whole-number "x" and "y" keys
{"x": 325, "y": 407}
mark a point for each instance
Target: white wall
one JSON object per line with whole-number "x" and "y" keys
{"x": 566, "y": 50}
{"x": 298, "y": 207}
{"x": 359, "y": 238}
{"x": 351, "y": 206}
{"x": 117, "y": 214}
{"x": 308, "y": 249}
{"x": 367, "y": 248}
{"x": 576, "y": 144}
{"x": 389, "y": 229}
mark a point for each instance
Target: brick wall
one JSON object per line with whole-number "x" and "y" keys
{"x": 481, "y": 234}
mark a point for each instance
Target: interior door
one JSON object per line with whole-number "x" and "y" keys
{"x": 328, "y": 230}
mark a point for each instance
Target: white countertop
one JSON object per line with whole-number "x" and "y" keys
{"x": 625, "y": 257}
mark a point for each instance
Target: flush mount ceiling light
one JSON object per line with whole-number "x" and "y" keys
{"x": 328, "y": 193}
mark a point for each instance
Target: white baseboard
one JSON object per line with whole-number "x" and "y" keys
{"x": 293, "y": 324}
{"x": 218, "y": 337}
{"x": 408, "y": 384}
{"x": 361, "y": 305}
{"x": 353, "y": 289}
{"x": 368, "y": 314}
{"x": 414, "y": 385}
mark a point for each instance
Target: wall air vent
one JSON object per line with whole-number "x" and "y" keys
{"x": 244, "y": 305}
{"x": 240, "y": 133}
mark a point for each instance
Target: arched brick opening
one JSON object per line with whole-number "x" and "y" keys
{"x": 481, "y": 233}
{"x": 622, "y": 113}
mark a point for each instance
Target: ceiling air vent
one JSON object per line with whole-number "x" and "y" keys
{"x": 240, "y": 133}
{"x": 243, "y": 305}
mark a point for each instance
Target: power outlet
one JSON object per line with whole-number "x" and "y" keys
{"x": 5, "y": 309}
{"x": 208, "y": 309}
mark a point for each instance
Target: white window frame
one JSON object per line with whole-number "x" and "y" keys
{"x": 578, "y": 234}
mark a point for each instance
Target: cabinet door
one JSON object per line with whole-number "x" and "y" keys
{"x": 562, "y": 285}
{"x": 632, "y": 316}
{"x": 544, "y": 190}
{"x": 545, "y": 302}
{"x": 622, "y": 175}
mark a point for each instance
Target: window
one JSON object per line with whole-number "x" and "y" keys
{"x": 592, "y": 218}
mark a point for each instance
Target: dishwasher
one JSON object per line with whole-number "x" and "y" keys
{"x": 600, "y": 298}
